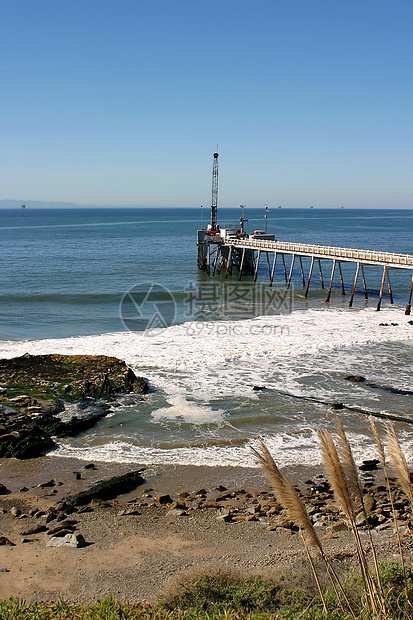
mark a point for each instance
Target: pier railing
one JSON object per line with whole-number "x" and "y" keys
{"x": 367, "y": 257}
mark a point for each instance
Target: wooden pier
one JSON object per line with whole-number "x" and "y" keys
{"x": 228, "y": 253}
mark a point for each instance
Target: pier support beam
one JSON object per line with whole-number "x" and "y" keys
{"x": 381, "y": 289}
{"x": 256, "y": 265}
{"x": 273, "y": 268}
{"x": 291, "y": 271}
{"x": 302, "y": 270}
{"x": 343, "y": 292}
{"x": 228, "y": 269}
{"x": 321, "y": 273}
{"x": 389, "y": 285}
{"x": 331, "y": 280}
{"x": 364, "y": 283}
{"x": 285, "y": 270}
{"x": 350, "y": 303}
{"x": 309, "y": 276}
{"x": 214, "y": 265}
{"x": 268, "y": 265}
{"x": 242, "y": 263}
{"x": 408, "y": 305}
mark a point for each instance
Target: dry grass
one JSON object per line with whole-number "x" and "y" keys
{"x": 342, "y": 473}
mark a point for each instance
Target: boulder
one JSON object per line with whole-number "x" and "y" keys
{"x": 70, "y": 540}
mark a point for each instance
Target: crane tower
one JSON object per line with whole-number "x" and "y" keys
{"x": 214, "y": 224}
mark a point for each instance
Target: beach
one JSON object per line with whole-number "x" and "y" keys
{"x": 137, "y": 556}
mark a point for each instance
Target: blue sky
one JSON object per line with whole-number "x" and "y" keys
{"x": 123, "y": 102}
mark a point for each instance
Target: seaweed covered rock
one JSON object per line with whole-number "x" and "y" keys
{"x": 33, "y": 391}
{"x": 71, "y": 376}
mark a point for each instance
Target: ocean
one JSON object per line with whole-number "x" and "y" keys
{"x": 125, "y": 282}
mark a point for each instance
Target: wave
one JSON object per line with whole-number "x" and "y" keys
{"x": 62, "y": 298}
{"x": 192, "y": 344}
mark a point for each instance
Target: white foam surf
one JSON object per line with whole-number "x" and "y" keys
{"x": 196, "y": 366}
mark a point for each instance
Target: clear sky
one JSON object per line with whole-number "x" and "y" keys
{"x": 122, "y": 102}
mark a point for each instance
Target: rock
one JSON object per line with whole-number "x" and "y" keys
{"x": 258, "y": 388}
{"x": 129, "y": 510}
{"x": 164, "y": 499}
{"x": 177, "y": 512}
{"x": 61, "y": 532}
{"x": 40, "y": 513}
{"x": 77, "y": 375}
{"x": 6, "y": 542}
{"x": 107, "y": 489}
{"x": 67, "y": 526}
{"x": 15, "y": 512}
{"x": 355, "y": 378}
{"x": 35, "y": 530}
{"x": 85, "y": 509}
{"x": 341, "y": 526}
{"x": 369, "y": 465}
{"x": 4, "y": 490}
{"x": 99, "y": 503}
{"x": 46, "y": 485}
{"x": 224, "y": 515}
{"x": 70, "y": 540}
{"x": 90, "y": 466}
{"x": 209, "y": 504}
{"x": 369, "y": 502}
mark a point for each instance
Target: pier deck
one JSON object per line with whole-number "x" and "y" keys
{"x": 366, "y": 257}
{"x": 243, "y": 254}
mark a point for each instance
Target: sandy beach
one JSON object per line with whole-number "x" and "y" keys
{"x": 135, "y": 556}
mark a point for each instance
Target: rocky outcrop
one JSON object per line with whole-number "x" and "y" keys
{"x": 71, "y": 376}
{"x": 33, "y": 389}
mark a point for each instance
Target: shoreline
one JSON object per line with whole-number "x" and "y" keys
{"x": 167, "y": 478}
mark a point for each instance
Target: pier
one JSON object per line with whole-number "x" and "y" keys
{"x": 229, "y": 253}
{"x": 230, "y": 249}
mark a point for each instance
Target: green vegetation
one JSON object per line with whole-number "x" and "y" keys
{"x": 213, "y": 590}
{"x": 225, "y": 595}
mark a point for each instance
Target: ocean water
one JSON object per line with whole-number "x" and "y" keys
{"x": 125, "y": 282}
